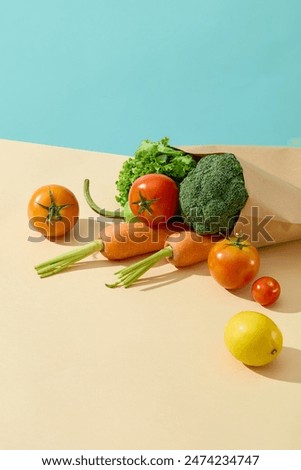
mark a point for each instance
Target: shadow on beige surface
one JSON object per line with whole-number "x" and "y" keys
{"x": 288, "y": 302}
{"x": 151, "y": 280}
{"x": 90, "y": 264}
{"x": 286, "y": 368}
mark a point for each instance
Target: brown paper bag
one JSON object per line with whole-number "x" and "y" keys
{"x": 272, "y": 213}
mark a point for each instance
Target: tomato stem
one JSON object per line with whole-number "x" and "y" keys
{"x": 144, "y": 205}
{"x": 54, "y": 211}
{"x": 127, "y": 276}
{"x": 117, "y": 214}
{"x": 61, "y": 262}
{"x": 239, "y": 242}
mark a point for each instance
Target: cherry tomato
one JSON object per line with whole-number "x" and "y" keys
{"x": 154, "y": 198}
{"x": 233, "y": 262}
{"x": 266, "y": 290}
{"x": 53, "y": 210}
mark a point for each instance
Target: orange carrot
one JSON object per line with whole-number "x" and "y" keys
{"x": 116, "y": 242}
{"x": 181, "y": 249}
{"x": 188, "y": 248}
{"x": 125, "y": 240}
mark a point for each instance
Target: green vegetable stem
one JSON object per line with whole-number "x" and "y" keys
{"x": 121, "y": 213}
{"x": 61, "y": 262}
{"x": 117, "y": 214}
{"x": 127, "y": 276}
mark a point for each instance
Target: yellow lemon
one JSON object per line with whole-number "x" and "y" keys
{"x": 253, "y": 338}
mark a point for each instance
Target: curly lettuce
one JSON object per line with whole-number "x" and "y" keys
{"x": 153, "y": 157}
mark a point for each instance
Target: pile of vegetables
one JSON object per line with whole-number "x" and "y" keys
{"x": 178, "y": 209}
{"x": 156, "y": 158}
{"x": 174, "y": 207}
{"x": 159, "y": 187}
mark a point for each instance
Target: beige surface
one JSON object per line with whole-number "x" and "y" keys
{"x": 86, "y": 367}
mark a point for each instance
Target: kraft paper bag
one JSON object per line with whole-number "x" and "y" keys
{"x": 272, "y": 213}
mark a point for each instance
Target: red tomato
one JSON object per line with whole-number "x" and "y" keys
{"x": 266, "y": 290}
{"x": 233, "y": 262}
{"x": 154, "y": 198}
{"x": 53, "y": 210}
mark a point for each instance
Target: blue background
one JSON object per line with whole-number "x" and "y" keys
{"x": 105, "y": 74}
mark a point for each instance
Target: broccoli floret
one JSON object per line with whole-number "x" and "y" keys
{"x": 213, "y": 194}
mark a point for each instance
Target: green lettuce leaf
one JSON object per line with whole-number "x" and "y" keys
{"x": 153, "y": 157}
